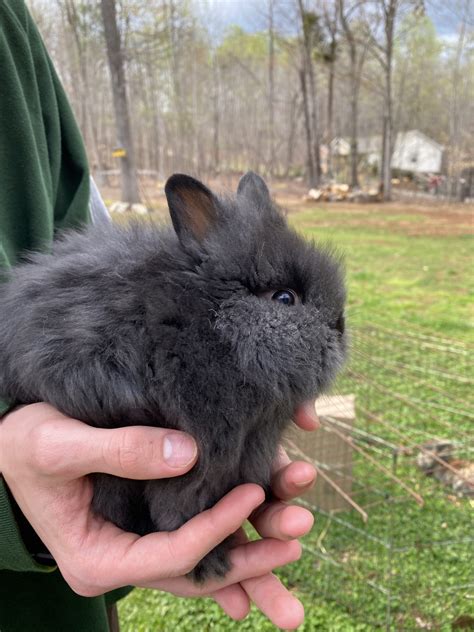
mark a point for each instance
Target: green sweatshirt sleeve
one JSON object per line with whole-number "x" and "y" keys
{"x": 43, "y": 167}
{"x": 44, "y": 182}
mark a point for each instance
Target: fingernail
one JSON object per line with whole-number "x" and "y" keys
{"x": 302, "y": 484}
{"x": 178, "y": 449}
{"x": 307, "y": 480}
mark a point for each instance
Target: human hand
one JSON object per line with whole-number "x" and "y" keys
{"x": 282, "y": 522}
{"x": 45, "y": 458}
{"x": 276, "y": 522}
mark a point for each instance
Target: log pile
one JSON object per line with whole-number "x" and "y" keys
{"x": 342, "y": 193}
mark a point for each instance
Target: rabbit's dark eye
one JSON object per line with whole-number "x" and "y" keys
{"x": 286, "y": 297}
{"x": 340, "y": 323}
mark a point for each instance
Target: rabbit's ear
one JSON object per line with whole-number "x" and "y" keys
{"x": 254, "y": 189}
{"x": 193, "y": 208}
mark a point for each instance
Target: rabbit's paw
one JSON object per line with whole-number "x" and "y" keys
{"x": 215, "y": 565}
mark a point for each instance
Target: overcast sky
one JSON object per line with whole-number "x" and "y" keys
{"x": 251, "y": 14}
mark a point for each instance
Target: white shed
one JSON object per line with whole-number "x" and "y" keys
{"x": 413, "y": 151}
{"x": 416, "y": 152}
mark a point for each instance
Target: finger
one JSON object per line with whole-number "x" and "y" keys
{"x": 252, "y": 559}
{"x": 275, "y": 601}
{"x": 258, "y": 558}
{"x": 234, "y": 601}
{"x": 305, "y": 416}
{"x": 282, "y": 522}
{"x": 176, "y": 553}
{"x": 294, "y": 479}
{"x": 69, "y": 448}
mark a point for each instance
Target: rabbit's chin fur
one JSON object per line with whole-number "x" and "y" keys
{"x": 179, "y": 329}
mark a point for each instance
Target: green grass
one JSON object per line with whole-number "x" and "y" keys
{"x": 402, "y": 278}
{"x": 394, "y": 278}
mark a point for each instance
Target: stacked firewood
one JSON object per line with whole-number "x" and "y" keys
{"x": 342, "y": 193}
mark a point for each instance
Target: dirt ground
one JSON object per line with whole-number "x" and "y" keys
{"x": 413, "y": 218}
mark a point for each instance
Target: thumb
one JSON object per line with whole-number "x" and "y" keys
{"x": 68, "y": 448}
{"x": 141, "y": 452}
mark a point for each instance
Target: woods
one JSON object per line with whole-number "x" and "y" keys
{"x": 169, "y": 86}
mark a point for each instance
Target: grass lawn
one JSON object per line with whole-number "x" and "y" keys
{"x": 410, "y": 274}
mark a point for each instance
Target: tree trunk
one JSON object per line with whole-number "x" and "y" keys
{"x": 310, "y": 175}
{"x": 122, "y": 117}
{"x": 354, "y": 122}
{"x": 154, "y": 141}
{"x": 271, "y": 88}
{"x": 315, "y": 122}
{"x": 181, "y": 157}
{"x": 330, "y": 104}
{"x": 355, "y": 70}
{"x": 295, "y": 110}
{"x": 455, "y": 115}
{"x": 390, "y": 11}
{"x": 310, "y": 104}
{"x": 215, "y": 115}
{"x": 387, "y": 154}
{"x": 331, "y": 18}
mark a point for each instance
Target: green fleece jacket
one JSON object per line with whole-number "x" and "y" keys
{"x": 44, "y": 186}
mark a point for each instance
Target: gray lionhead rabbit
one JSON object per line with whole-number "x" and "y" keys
{"x": 219, "y": 328}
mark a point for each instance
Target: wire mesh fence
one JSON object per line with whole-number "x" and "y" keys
{"x": 394, "y": 538}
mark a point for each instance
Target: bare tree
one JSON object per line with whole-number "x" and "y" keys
{"x": 215, "y": 114}
{"x": 271, "y": 86}
{"x": 122, "y": 117}
{"x": 310, "y": 32}
{"x": 310, "y": 171}
{"x": 383, "y": 51}
{"x": 455, "y": 114}
{"x": 389, "y": 12}
{"x": 353, "y": 25}
{"x": 331, "y": 20}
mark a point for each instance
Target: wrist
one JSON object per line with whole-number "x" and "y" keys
{"x": 32, "y": 542}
